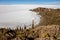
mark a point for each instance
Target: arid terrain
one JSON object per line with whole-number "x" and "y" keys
{"x": 49, "y": 16}
{"x": 48, "y": 28}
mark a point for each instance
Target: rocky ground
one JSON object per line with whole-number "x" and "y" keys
{"x": 49, "y": 32}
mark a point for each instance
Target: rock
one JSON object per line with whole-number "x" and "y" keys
{"x": 49, "y": 16}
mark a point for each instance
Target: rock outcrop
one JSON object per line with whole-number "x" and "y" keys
{"x": 49, "y": 32}
{"x": 49, "y": 16}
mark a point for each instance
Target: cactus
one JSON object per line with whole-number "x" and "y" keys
{"x": 24, "y": 27}
{"x": 32, "y": 24}
{"x": 20, "y": 28}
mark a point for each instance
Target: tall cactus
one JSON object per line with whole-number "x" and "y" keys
{"x": 20, "y": 29}
{"x": 24, "y": 26}
{"x": 17, "y": 29}
{"x": 32, "y": 24}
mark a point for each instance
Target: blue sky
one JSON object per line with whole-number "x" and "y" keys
{"x": 30, "y": 2}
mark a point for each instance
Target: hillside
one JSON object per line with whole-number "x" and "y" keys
{"x": 49, "y": 16}
{"x": 49, "y": 32}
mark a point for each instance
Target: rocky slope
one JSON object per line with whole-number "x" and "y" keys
{"x": 49, "y": 32}
{"x": 49, "y": 16}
